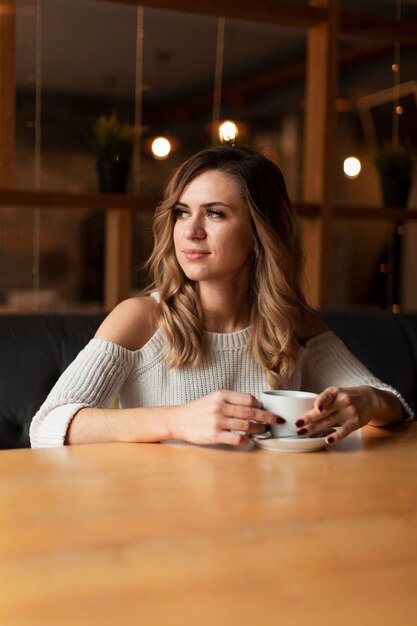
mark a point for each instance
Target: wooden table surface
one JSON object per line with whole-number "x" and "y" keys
{"x": 160, "y": 535}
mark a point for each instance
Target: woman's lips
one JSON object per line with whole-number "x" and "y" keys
{"x": 193, "y": 254}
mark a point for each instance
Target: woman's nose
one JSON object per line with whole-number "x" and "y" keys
{"x": 195, "y": 229}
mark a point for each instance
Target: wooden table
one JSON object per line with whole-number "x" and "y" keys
{"x": 160, "y": 535}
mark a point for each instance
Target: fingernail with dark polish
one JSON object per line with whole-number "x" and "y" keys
{"x": 280, "y": 420}
{"x": 299, "y": 423}
{"x": 302, "y": 431}
{"x": 320, "y": 407}
{"x": 330, "y": 440}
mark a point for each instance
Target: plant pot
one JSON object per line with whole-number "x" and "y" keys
{"x": 395, "y": 191}
{"x": 112, "y": 175}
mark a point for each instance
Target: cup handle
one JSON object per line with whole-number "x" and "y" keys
{"x": 266, "y": 435}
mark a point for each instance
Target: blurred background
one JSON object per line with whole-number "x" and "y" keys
{"x": 177, "y": 74}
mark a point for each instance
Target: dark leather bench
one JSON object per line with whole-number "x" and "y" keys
{"x": 384, "y": 342}
{"x": 36, "y": 348}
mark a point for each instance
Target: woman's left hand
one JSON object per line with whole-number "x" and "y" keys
{"x": 349, "y": 408}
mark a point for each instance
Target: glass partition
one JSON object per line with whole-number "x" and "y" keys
{"x": 78, "y": 60}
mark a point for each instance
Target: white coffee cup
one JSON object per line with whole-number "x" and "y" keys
{"x": 290, "y": 405}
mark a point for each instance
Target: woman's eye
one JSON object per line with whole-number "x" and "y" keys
{"x": 179, "y": 212}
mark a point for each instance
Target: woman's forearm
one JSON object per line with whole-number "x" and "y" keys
{"x": 222, "y": 417}
{"x": 91, "y": 425}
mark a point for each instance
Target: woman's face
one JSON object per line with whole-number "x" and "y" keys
{"x": 212, "y": 232}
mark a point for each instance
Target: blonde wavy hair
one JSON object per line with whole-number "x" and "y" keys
{"x": 275, "y": 295}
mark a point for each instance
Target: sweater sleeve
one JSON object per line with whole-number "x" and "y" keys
{"x": 327, "y": 362}
{"x": 91, "y": 380}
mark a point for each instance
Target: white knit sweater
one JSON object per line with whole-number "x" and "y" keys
{"x": 142, "y": 378}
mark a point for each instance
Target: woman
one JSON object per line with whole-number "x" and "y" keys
{"x": 227, "y": 319}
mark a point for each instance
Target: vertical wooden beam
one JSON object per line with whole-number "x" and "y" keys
{"x": 7, "y": 91}
{"x": 319, "y": 154}
{"x": 118, "y": 257}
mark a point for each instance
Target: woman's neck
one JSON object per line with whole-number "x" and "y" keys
{"x": 224, "y": 310}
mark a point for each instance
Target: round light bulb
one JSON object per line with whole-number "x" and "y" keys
{"x": 351, "y": 167}
{"x": 161, "y": 147}
{"x": 228, "y": 131}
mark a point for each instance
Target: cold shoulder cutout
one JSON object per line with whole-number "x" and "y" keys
{"x": 131, "y": 324}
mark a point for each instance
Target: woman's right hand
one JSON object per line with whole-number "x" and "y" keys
{"x": 215, "y": 418}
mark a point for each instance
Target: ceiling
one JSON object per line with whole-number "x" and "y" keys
{"x": 88, "y": 47}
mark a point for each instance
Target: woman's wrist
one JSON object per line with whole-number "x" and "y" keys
{"x": 171, "y": 422}
{"x": 389, "y": 409}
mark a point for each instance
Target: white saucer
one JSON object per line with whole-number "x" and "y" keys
{"x": 291, "y": 444}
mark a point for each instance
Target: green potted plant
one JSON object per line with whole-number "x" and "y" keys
{"x": 114, "y": 141}
{"x": 395, "y": 165}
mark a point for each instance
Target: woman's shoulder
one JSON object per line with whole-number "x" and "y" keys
{"x": 311, "y": 326}
{"x": 131, "y": 324}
